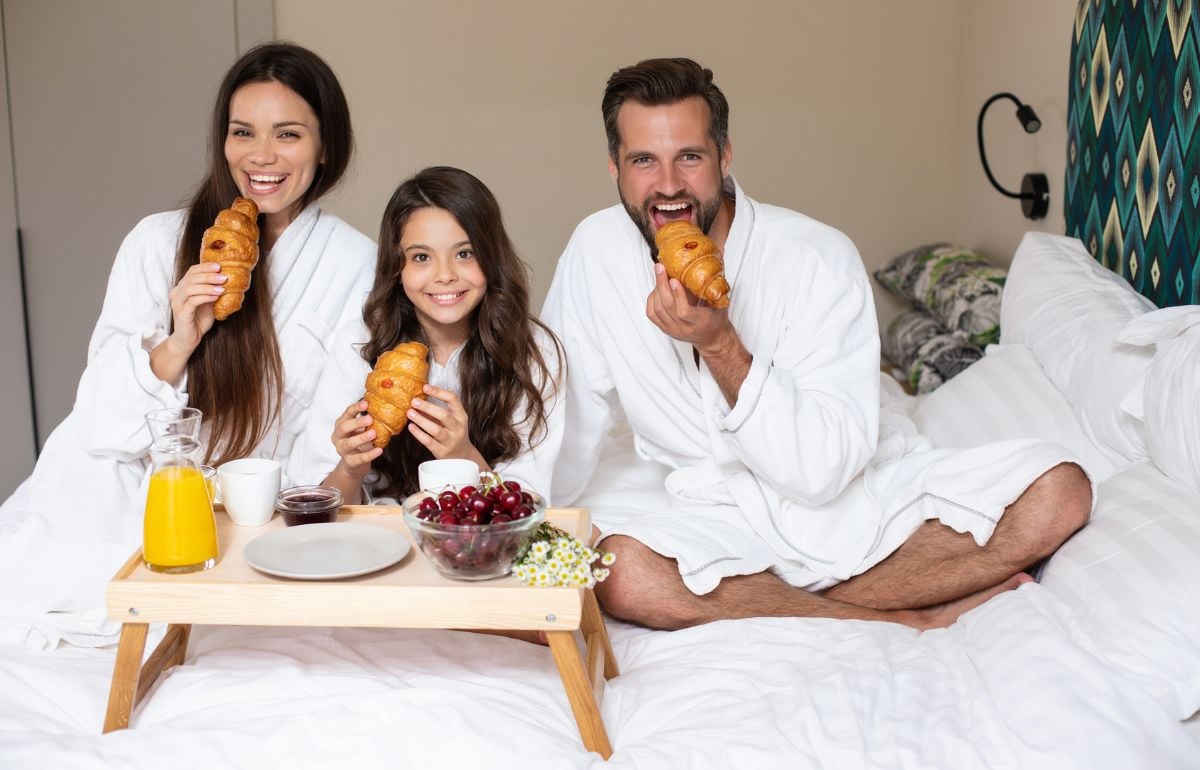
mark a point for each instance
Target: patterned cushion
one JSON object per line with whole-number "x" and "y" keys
{"x": 926, "y": 350}
{"x": 958, "y": 286}
{"x": 1133, "y": 143}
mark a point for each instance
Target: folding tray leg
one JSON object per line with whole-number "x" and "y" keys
{"x": 595, "y": 634}
{"x": 131, "y": 680}
{"x": 580, "y": 693}
{"x": 126, "y": 670}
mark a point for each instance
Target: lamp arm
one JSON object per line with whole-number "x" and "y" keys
{"x": 983, "y": 155}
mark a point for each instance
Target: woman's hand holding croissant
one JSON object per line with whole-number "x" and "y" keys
{"x": 192, "y": 316}
{"x": 443, "y": 430}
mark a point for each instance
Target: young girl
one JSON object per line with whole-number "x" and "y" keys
{"x": 447, "y": 275}
{"x": 281, "y": 136}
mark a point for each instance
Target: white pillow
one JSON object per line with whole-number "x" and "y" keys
{"x": 1006, "y": 395}
{"x": 1066, "y": 308}
{"x": 1132, "y": 577}
{"x": 1168, "y": 403}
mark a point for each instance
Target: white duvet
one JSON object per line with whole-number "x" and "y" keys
{"x": 1011, "y": 686}
{"x": 1014, "y": 684}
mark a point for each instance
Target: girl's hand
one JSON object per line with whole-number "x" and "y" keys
{"x": 191, "y": 304}
{"x": 443, "y": 430}
{"x": 352, "y": 437}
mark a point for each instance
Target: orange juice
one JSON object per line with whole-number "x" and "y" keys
{"x": 180, "y": 533}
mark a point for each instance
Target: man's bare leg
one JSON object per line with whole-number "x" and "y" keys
{"x": 939, "y": 565}
{"x": 645, "y": 587}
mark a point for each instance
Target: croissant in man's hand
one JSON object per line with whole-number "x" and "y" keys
{"x": 691, "y": 258}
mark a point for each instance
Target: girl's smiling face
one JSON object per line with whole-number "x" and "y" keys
{"x": 441, "y": 276}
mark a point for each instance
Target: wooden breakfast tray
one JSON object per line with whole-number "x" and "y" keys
{"x": 409, "y": 594}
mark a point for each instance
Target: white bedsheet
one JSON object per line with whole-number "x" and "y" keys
{"x": 1011, "y": 686}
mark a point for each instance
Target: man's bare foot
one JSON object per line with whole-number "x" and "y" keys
{"x": 942, "y": 615}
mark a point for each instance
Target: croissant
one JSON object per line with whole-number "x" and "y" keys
{"x": 690, "y": 257}
{"x": 397, "y": 379}
{"x": 233, "y": 242}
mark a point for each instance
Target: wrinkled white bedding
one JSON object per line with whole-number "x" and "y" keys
{"x": 1013, "y": 685}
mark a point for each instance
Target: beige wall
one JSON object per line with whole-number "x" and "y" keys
{"x": 848, "y": 115}
{"x": 1021, "y": 46}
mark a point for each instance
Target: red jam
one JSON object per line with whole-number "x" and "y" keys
{"x": 311, "y": 504}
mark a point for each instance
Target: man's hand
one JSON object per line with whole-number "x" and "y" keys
{"x": 677, "y": 312}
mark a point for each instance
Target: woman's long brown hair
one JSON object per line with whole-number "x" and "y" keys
{"x": 501, "y": 366}
{"x": 235, "y": 374}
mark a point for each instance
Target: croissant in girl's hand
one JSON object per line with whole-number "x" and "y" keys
{"x": 690, "y": 257}
{"x": 397, "y": 379}
{"x": 233, "y": 242}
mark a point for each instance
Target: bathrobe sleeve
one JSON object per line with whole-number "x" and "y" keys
{"x": 118, "y": 388}
{"x": 589, "y": 383}
{"x": 806, "y": 417}
{"x": 534, "y": 467}
{"x": 342, "y": 382}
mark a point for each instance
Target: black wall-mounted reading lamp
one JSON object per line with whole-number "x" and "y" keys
{"x": 1035, "y": 188}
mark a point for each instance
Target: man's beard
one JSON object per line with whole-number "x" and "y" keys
{"x": 706, "y": 214}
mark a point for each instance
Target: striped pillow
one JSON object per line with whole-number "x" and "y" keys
{"x": 1005, "y": 396}
{"x": 1132, "y": 577}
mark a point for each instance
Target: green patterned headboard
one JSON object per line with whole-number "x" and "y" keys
{"x": 1133, "y": 147}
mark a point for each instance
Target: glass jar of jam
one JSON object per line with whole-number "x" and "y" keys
{"x": 311, "y": 504}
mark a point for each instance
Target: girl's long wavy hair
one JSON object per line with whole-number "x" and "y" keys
{"x": 235, "y": 375}
{"x": 501, "y": 368}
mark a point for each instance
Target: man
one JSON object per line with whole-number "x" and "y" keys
{"x": 767, "y": 412}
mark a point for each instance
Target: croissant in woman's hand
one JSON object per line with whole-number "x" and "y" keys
{"x": 691, "y": 258}
{"x": 233, "y": 242}
{"x": 398, "y": 378}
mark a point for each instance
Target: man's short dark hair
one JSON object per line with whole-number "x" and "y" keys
{"x": 655, "y": 82}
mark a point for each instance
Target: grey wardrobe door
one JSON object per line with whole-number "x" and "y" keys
{"x": 110, "y": 104}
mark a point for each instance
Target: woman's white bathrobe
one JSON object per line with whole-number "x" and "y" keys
{"x": 70, "y": 525}
{"x": 777, "y": 482}
{"x": 343, "y": 382}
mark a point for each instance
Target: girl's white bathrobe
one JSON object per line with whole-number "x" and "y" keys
{"x": 74, "y": 522}
{"x": 343, "y": 382}
{"x": 777, "y": 481}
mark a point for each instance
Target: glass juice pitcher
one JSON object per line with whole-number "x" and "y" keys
{"x": 180, "y": 532}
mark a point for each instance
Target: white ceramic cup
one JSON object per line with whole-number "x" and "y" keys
{"x": 434, "y": 475}
{"x": 248, "y": 490}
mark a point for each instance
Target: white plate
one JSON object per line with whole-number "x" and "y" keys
{"x": 325, "y": 551}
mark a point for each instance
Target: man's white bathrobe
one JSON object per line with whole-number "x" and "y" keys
{"x": 776, "y": 482}
{"x": 70, "y": 525}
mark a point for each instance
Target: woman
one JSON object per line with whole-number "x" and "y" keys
{"x": 281, "y": 136}
{"x": 447, "y": 276}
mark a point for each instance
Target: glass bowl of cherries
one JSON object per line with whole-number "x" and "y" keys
{"x": 475, "y": 532}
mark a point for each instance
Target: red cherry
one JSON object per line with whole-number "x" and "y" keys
{"x": 465, "y": 493}
{"x": 447, "y": 518}
{"x": 447, "y": 497}
{"x": 522, "y": 511}
{"x": 512, "y": 486}
{"x": 475, "y": 517}
{"x": 527, "y": 498}
{"x": 479, "y": 503}
{"x": 428, "y": 504}
{"x": 501, "y": 518}
{"x": 510, "y": 500}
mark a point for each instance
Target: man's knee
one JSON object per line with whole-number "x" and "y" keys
{"x": 1060, "y": 504}
{"x": 642, "y": 586}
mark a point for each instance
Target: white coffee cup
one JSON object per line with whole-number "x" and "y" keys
{"x": 248, "y": 490}
{"x": 435, "y": 475}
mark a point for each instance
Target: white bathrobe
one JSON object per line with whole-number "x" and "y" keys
{"x": 74, "y": 522}
{"x": 777, "y": 482}
{"x": 343, "y": 381}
